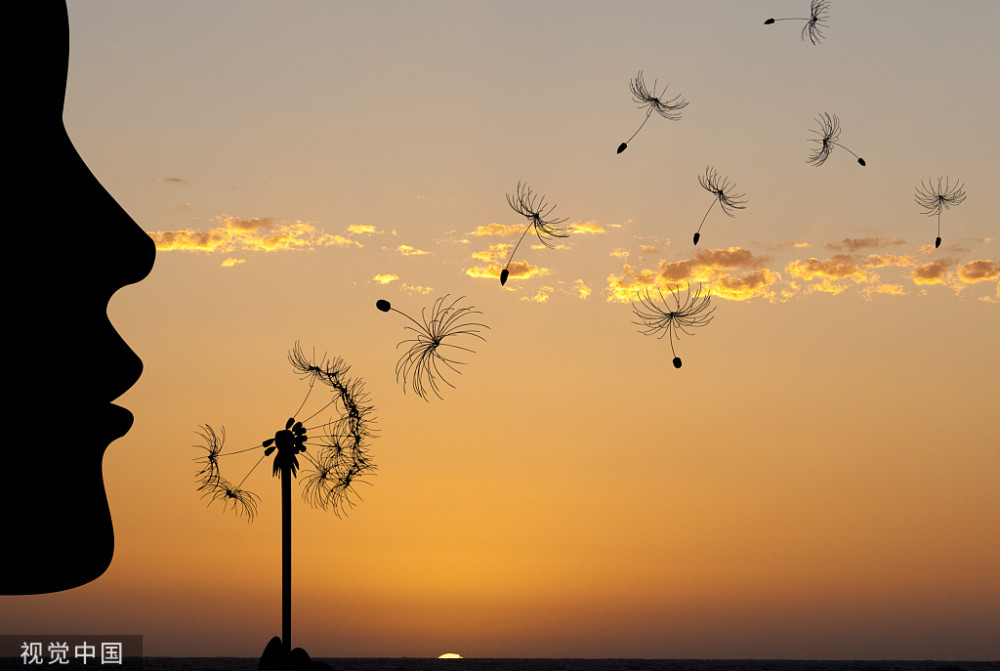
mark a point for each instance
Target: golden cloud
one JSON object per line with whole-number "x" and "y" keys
{"x": 935, "y": 272}
{"x": 837, "y": 267}
{"x": 582, "y": 290}
{"x": 980, "y": 270}
{"x": 585, "y": 227}
{"x": 521, "y": 270}
{"x": 711, "y": 267}
{"x": 496, "y": 252}
{"x": 883, "y": 260}
{"x": 407, "y": 250}
{"x": 255, "y": 234}
{"x": 360, "y": 229}
{"x": 231, "y": 262}
{"x": 385, "y": 278}
{"x": 498, "y": 230}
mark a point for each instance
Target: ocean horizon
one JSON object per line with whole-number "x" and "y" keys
{"x": 572, "y": 664}
{"x": 154, "y": 663}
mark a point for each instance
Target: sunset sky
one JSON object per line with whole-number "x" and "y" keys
{"x": 820, "y": 478}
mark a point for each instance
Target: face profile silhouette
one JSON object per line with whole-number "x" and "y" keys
{"x": 69, "y": 247}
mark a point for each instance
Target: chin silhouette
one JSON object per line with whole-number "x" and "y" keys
{"x": 73, "y": 247}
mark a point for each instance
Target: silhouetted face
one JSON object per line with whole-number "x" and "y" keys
{"x": 70, "y": 247}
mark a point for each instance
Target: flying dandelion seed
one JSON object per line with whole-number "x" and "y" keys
{"x": 537, "y": 211}
{"x": 668, "y": 108}
{"x": 424, "y": 363}
{"x": 341, "y": 461}
{"x": 819, "y": 11}
{"x": 829, "y": 133}
{"x": 721, "y": 188}
{"x": 934, "y": 200}
{"x": 691, "y": 313}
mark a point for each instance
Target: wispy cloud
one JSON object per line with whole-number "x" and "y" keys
{"x": 496, "y": 230}
{"x": 519, "y": 270}
{"x": 408, "y": 250}
{"x": 837, "y": 267}
{"x": 585, "y": 228}
{"x": 856, "y": 244}
{"x": 256, "y": 234}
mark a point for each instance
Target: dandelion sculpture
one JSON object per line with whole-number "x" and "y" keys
{"x": 819, "y": 10}
{"x": 424, "y": 363}
{"x": 829, "y": 132}
{"x": 537, "y": 211}
{"x": 668, "y": 108}
{"x": 337, "y": 462}
{"x": 935, "y": 199}
{"x": 722, "y": 189}
{"x": 693, "y": 312}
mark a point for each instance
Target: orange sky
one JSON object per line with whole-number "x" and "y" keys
{"x": 817, "y": 481}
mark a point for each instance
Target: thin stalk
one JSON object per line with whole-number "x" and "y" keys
{"x": 503, "y": 278}
{"x": 697, "y": 234}
{"x": 286, "y": 560}
{"x": 860, "y": 160}
{"x": 650, "y": 112}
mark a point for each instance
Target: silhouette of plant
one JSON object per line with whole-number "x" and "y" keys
{"x": 829, "y": 133}
{"x": 668, "y": 108}
{"x": 421, "y": 365}
{"x": 936, "y": 199}
{"x": 720, "y": 186}
{"x": 537, "y": 211}
{"x": 693, "y": 312}
{"x": 341, "y": 456}
{"x": 818, "y": 12}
